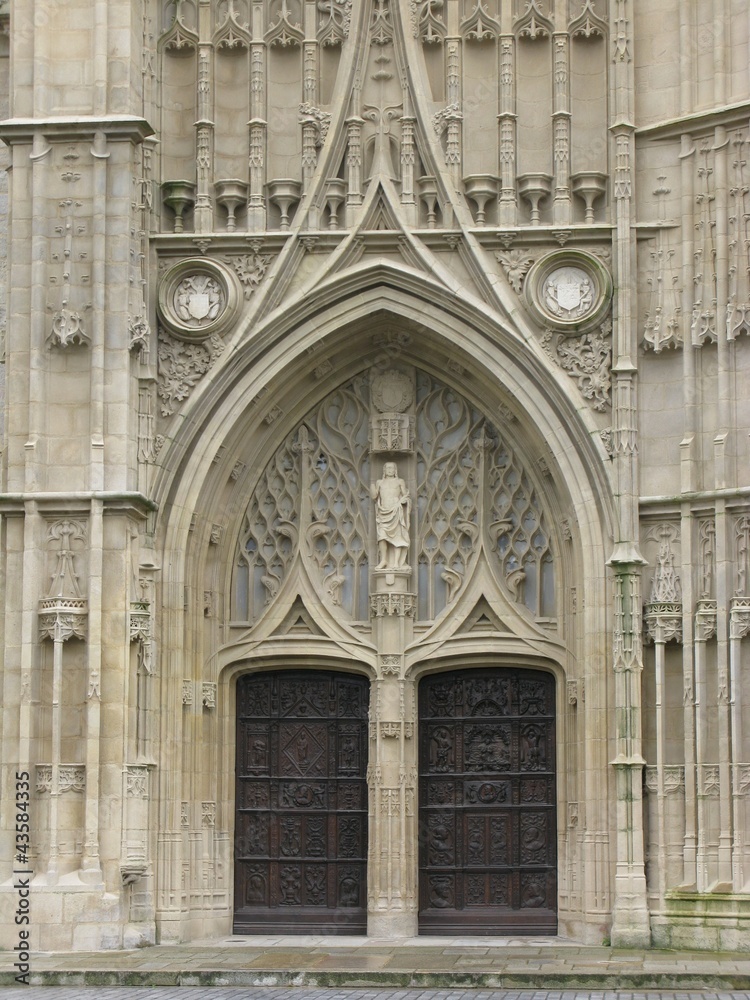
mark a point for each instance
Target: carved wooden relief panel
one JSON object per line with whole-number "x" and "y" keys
{"x": 487, "y": 856}
{"x": 301, "y": 806}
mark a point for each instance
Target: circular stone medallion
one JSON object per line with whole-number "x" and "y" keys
{"x": 198, "y": 298}
{"x": 569, "y": 291}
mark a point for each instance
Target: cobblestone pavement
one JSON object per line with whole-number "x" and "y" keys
{"x": 301, "y": 993}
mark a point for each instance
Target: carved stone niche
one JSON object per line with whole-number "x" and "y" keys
{"x": 392, "y": 427}
{"x": 198, "y": 299}
{"x": 568, "y": 291}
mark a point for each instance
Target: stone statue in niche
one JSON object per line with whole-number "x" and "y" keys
{"x": 392, "y": 513}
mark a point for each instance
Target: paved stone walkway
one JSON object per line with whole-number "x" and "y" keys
{"x": 280, "y": 993}
{"x": 427, "y": 963}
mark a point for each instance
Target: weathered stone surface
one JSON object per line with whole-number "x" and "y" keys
{"x": 257, "y": 253}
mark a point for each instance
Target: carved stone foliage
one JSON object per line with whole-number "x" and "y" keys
{"x": 250, "y": 269}
{"x": 181, "y": 367}
{"x": 209, "y": 695}
{"x": 71, "y": 778}
{"x": 515, "y": 263}
{"x": 587, "y": 359}
{"x": 706, "y": 614}
{"x": 136, "y": 781}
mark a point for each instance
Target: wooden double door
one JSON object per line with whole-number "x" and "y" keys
{"x": 487, "y": 807}
{"x": 301, "y": 803}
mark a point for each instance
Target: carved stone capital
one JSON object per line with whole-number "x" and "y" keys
{"x": 404, "y": 605}
{"x": 739, "y": 618}
{"x": 705, "y": 620}
{"x": 663, "y": 621}
{"x": 62, "y": 618}
{"x": 140, "y": 621}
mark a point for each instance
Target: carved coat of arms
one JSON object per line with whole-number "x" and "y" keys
{"x": 198, "y": 299}
{"x": 568, "y": 293}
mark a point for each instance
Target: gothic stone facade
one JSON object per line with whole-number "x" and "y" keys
{"x": 376, "y": 508}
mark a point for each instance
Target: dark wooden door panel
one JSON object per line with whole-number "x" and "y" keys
{"x": 487, "y": 859}
{"x": 301, "y": 803}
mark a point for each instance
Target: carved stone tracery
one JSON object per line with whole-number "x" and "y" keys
{"x": 472, "y": 493}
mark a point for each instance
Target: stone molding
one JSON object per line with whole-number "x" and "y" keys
{"x": 663, "y": 621}
{"x": 706, "y": 614}
{"x": 673, "y": 774}
{"x": 403, "y": 605}
{"x": 739, "y": 617}
{"x": 62, "y": 618}
{"x": 71, "y": 778}
{"x": 136, "y": 780}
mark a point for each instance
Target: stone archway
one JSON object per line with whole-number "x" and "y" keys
{"x": 395, "y": 629}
